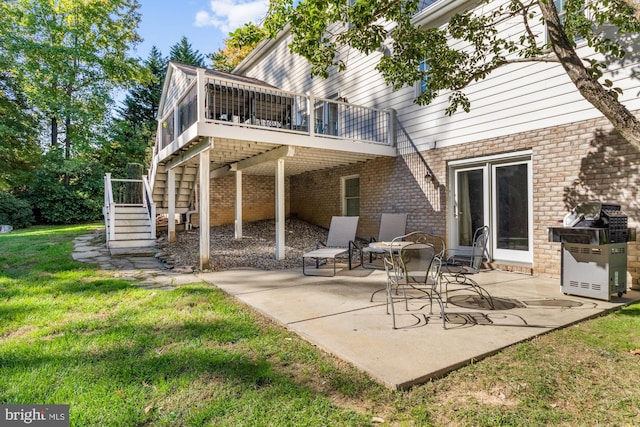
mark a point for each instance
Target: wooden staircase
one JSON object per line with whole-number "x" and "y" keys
{"x": 130, "y": 226}
{"x": 185, "y": 181}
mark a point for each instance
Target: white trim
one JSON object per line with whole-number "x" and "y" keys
{"x": 491, "y": 158}
{"x": 488, "y": 164}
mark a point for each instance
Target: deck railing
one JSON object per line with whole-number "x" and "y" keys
{"x": 109, "y": 208}
{"x": 232, "y": 103}
{"x": 149, "y": 204}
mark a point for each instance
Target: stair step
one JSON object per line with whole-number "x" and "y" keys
{"x": 132, "y": 222}
{"x": 131, "y": 216}
{"x": 131, "y": 208}
{"x": 137, "y": 243}
{"x": 127, "y": 230}
{"x": 141, "y": 252}
{"x": 132, "y": 235}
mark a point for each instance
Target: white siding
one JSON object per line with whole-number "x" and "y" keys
{"x": 177, "y": 86}
{"x": 515, "y": 98}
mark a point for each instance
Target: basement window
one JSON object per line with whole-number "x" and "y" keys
{"x": 351, "y": 195}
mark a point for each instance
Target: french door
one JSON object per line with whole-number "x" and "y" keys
{"x": 496, "y": 192}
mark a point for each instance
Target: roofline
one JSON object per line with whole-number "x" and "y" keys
{"x": 256, "y": 53}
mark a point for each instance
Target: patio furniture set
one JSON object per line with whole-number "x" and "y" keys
{"x": 418, "y": 265}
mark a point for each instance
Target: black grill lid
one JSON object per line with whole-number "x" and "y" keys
{"x": 593, "y": 214}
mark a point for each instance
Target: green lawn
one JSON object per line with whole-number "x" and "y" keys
{"x": 125, "y": 356}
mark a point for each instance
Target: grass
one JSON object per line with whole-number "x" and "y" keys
{"x": 120, "y": 355}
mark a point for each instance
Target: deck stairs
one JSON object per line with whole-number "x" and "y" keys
{"x": 186, "y": 178}
{"x": 130, "y": 217}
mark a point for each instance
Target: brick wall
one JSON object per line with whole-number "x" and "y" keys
{"x": 258, "y": 199}
{"x": 387, "y": 185}
{"x": 577, "y": 162}
{"x": 573, "y": 163}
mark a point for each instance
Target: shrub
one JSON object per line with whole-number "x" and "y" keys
{"x": 67, "y": 191}
{"x": 15, "y": 212}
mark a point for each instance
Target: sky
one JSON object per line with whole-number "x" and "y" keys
{"x": 205, "y": 23}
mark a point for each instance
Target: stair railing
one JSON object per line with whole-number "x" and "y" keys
{"x": 109, "y": 209}
{"x": 147, "y": 201}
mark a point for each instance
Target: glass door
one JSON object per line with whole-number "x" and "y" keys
{"x": 470, "y": 204}
{"x": 512, "y": 223}
{"x": 496, "y": 192}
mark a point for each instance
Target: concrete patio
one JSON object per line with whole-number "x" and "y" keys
{"x": 335, "y": 314}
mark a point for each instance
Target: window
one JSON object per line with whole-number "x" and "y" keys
{"x": 351, "y": 196}
{"x": 423, "y": 4}
{"x": 561, "y": 7}
{"x": 422, "y": 84}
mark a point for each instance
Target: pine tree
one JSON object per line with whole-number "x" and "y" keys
{"x": 183, "y": 53}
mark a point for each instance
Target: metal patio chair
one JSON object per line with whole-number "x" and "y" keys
{"x": 457, "y": 267}
{"x": 393, "y": 248}
{"x": 413, "y": 275}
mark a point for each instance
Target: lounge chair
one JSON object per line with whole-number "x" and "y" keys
{"x": 391, "y": 226}
{"x": 340, "y": 241}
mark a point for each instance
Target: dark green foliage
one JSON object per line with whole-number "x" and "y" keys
{"x": 19, "y": 149}
{"x": 15, "y": 212}
{"x": 54, "y": 202}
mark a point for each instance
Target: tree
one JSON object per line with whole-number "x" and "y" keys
{"x": 68, "y": 57}
{"x": 237, "y": 46}
{"x": 183, "y": 53}
{"x": 132, "y": 132}
{"x": 19, "y": 148}
{"x": 320, "y": 28}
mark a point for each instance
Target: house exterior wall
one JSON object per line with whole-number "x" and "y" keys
{"x": 176, "y": 86}
{"x": 512, "y": 99}
{"x": 529, "y": 106}
{"x": 575, "y": 162}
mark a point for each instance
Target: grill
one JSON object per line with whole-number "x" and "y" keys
{"x": 594, "y": 240}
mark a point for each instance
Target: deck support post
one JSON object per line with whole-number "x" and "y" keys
{"x": 171, "y": 205}
{"x": 205, "y": 232}
{"x": 238, "y": 206}
{"x": 280, "y": 212}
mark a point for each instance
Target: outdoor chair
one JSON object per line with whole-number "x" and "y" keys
{"x": 340, "y": 241}
{"x": 457, "y": 267}
{"x": 412, "y": 275}
{"x": 391, "y": 226}
{"x": 395, "y": 246}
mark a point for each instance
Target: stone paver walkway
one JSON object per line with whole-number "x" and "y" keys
{"x": 144, "y": 271}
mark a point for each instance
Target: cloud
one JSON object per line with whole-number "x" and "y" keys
{"x": 227, "y": 15}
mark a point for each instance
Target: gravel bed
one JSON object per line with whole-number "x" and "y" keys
{"x": 256, "y": 248}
